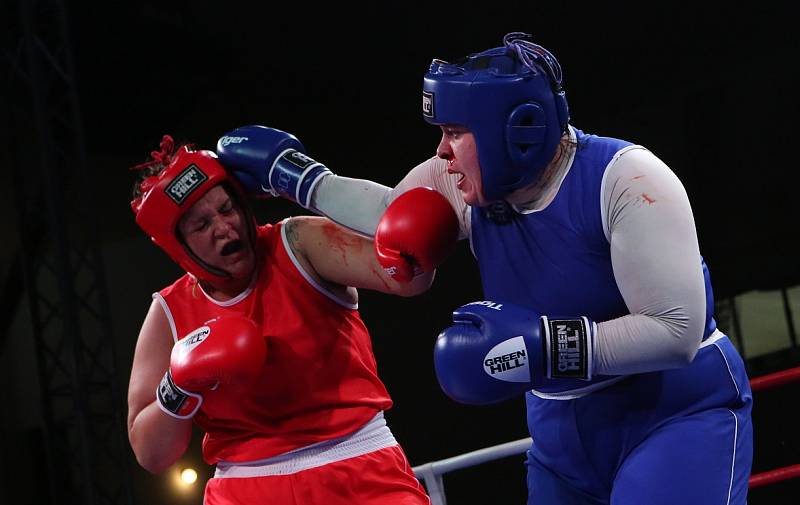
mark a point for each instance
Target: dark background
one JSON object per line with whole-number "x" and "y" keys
{"x": 713, "y": 92}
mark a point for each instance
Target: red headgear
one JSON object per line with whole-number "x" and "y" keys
{"x": 166, "y": 196}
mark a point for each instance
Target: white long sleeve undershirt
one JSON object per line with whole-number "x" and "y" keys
{"x": 655, "y": 255}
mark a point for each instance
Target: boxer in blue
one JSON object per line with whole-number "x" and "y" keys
{"x": 599, "y": 307}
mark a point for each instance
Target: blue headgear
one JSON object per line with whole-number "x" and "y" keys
{"x": 511, "y": 99}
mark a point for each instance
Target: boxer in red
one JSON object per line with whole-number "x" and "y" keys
{"x": 261, "y": 344}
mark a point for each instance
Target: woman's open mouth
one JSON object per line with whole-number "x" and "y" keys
{"x": 231, "y": 247}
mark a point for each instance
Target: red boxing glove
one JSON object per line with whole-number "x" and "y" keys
{"x": 416, "y": 233}
{"x": 227, "y": 350}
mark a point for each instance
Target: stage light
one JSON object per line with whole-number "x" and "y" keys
{"x": 188, "y": 476}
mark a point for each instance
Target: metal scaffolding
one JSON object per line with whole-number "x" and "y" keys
{"x": 87, "y": 462}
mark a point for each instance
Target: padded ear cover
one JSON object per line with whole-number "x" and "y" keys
{"x": 525, "y": 131}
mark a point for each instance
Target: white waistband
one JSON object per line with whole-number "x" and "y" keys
{"x": 572, "y": 394}
{"x": 373, "y": 436}
{"x": 715, "y": 336}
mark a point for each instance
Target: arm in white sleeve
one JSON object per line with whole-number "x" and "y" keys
{"x": 648, "y": 221}
{"x": 358, "y": 204}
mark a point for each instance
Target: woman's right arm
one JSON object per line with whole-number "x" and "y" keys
{"x": 157, "y": 439}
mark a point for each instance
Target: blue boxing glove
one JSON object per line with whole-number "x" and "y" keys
{"x": 270, "y": 161}
{"x": 496, "y": 351}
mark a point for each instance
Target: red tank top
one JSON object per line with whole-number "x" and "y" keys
{"x": 320, "y": 379}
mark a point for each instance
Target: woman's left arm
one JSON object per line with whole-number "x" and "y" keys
{"x": 656, "y": 259}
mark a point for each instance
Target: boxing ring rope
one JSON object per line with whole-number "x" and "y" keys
{"x": 775, "y": 379}
{"x": 431, "y": 473}
{"x": 773, "y": 476}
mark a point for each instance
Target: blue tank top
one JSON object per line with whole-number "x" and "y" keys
{"x": 557, "y": 261}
